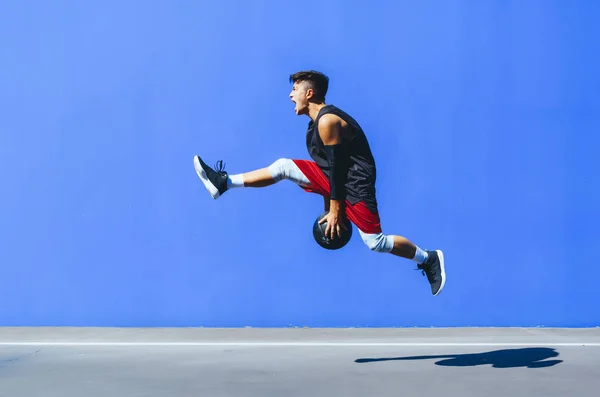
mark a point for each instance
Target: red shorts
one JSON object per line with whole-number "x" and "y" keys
{"x": 359, "y": 213}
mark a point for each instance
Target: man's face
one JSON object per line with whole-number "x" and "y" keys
{"x": 300, "y": 95}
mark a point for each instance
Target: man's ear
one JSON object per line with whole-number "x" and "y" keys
{"x": 310, "y": 93}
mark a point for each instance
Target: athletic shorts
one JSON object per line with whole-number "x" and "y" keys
{"x": 359, "y": 214}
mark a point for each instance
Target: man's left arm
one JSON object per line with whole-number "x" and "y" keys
{"x": 331, "y": 130}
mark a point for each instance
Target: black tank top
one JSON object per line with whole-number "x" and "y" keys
{"x": 360, "y": 183}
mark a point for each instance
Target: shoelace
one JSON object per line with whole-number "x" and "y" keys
{"x": 220, "y": 167}
{"x": 429, "y": 272}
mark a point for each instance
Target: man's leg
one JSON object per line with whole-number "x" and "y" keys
{"x": 258, "y": 178}
{"x": 369, "y": 226}
{"x": 395, "y": 245}
{"x": 217, "y": 181}
{"x": 405, "y": 248}
{"x": 430, "y": 262}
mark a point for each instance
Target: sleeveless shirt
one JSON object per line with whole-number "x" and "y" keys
{"x": 361, "y": 176}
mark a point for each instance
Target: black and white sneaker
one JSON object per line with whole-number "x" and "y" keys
{"x": 215, "y": 180}
{"x": 434, "y": 269}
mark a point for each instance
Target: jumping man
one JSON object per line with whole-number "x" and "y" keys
{"x": 342, "y": 171}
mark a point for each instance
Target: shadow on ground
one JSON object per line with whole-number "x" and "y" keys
{"x": 509, "y": 358}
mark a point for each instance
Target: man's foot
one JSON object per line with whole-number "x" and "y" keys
{"x": 215, "y": 181}
{"x": 433, "y": 268}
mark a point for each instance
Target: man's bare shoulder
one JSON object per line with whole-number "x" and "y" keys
{"x": 331, "y": 120}
{"x": 332, "y": 124}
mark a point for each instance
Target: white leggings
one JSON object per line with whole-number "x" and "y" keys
{"x": 287, "y": 169}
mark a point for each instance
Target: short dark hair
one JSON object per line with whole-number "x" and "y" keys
{"x": 318, "y": 81}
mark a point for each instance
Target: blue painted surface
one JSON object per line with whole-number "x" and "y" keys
{"x": 483, "y": 117}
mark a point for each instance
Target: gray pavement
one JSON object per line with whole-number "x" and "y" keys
{"x": 197, "y": 362}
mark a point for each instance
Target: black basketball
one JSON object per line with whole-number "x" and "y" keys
{"x": 325, "y": 242}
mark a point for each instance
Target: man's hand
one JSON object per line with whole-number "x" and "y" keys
{"x": 335, "y": 220}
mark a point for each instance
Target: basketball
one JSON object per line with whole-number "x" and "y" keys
{"x": 325, "y": 242}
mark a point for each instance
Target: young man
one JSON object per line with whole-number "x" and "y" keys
{"x": 343, "y": 172}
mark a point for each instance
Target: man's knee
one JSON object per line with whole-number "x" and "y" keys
{"x": 285, "y": 168}
{"x": 378, "y": 242}
{"x": 278, "y": 169}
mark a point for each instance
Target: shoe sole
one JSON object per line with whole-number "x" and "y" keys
{"x": 441, "y": 258}
{"x": 212, "y": 189}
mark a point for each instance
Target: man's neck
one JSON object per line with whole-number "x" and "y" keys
{"x": 314, "y": 109}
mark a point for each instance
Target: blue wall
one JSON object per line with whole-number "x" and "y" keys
{"x": 484, "y": 118}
